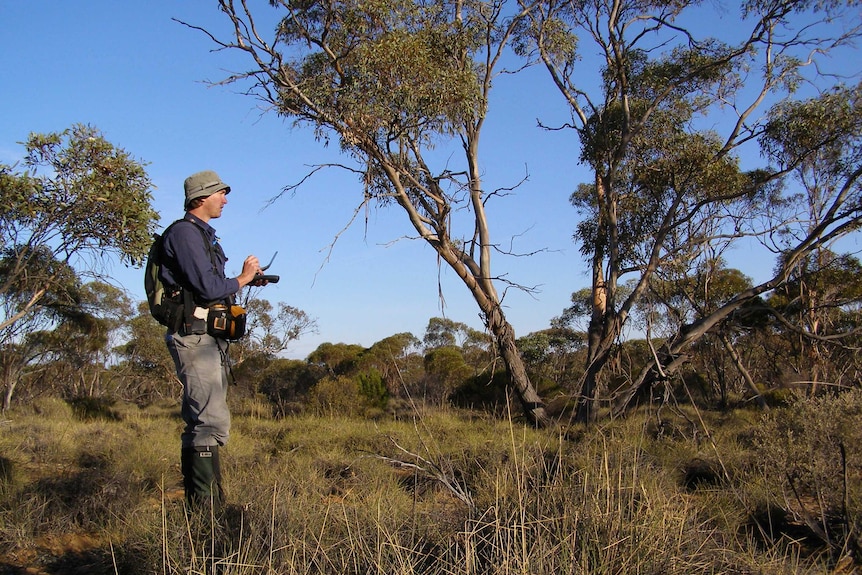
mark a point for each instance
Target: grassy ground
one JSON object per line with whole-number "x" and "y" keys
{"x": 97, "y": 489}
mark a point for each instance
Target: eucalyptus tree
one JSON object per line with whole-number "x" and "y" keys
{"x": 683, "y": 299}
{"x": 19, "y": 354}
{"x": 666, "y": 115}
{"x": 64, "y": 345}
{"x": 475, "y": 346}
{"x": 444, "y": 370}
{"x": 270, "y": 331}
{"x": 453, "y": 353}
{"x": 78, "y": 348}
{"x": 391, "y": 80}
{"x": 394, "y": 361}
{"x": 829, "y": 126}
{"x": 553, "y": 355}
{"x": 79, "y": 199}
{"x": 817, "y": 311}
{"x": 146, "y": 370}
{"x": 443, "y": 332}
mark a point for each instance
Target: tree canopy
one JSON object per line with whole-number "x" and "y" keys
{"x": 79, "y": 199}
{"x": 664, "y": 121}
{"x": 391, "y": 81}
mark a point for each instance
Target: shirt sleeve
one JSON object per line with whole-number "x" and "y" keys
{"x": 185, "y": 246}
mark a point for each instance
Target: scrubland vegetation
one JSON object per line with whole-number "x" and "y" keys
{"x": 725, "y": 440}
{"x": 94, "y": 487}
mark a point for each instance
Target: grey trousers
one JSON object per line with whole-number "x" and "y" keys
{"x": 201, "y": 367}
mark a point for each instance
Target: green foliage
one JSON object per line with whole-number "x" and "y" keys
{"x": 812, "y": 448}
{"x": 538, "y": 347}
{"x": 487, "y": 391}
{"x": 146, "y": 371}
{"x": 336, "y": 396}
{"x": 24, "y": 272}
{"x": 81, "y": 197}
{"x": 824, "y": 131}
{"x": 667, "y": 194}
{"x": 373, "y": 389}
{"x": 349, "y": 396}
{"x": 286, "y": 383}
{"x": 336, "y": 358}
{"x": 445, "y": 370}
{"x": 394, "y": 360}
{"x": 63, "y": 346}
{"x": 383, "y": 68}
{"x": 821, "y": 296}
{"x": 83, "y": 192}
{"x": 392, "y": 79}
{"x": 442, "y": 332}
{"x": 145, "y": 348}
{"x": 553, "y": 358}
{"x": 825, "y": 285}
{"x": 688, "y": 294}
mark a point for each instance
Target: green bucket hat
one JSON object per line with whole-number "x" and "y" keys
{"x": 203, "y": 184}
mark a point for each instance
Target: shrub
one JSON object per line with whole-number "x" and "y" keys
{"x": 813, "y": 448}
{"x": 336, "y": 396}
{"x": 373, "y": 389}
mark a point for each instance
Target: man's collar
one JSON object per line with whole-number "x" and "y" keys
{"x": 196, "y": 220}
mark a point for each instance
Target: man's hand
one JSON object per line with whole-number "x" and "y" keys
{"x": 250, "y": 269}
{"x": 252, "y": 273}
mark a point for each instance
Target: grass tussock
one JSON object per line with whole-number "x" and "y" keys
{"x": 677, "y": 492}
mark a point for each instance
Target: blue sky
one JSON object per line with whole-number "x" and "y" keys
{"x": 129, "y": 70}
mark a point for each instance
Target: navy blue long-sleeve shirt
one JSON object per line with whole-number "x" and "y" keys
{"x": 188, "y": 262}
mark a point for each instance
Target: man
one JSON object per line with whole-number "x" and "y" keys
{"x": 194, "y": 261}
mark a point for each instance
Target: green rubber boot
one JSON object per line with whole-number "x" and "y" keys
{"x": 202, "y": 476}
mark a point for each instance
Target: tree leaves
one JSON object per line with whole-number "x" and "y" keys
{"x": 80, "y": 198}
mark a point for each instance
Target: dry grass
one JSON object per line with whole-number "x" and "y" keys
{"x": 445, "y": 493}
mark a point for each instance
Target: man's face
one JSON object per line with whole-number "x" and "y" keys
{"x": 213, "y": 205}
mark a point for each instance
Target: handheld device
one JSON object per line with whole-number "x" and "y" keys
{"x": 273, "y": 279}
